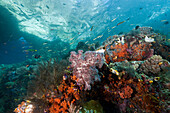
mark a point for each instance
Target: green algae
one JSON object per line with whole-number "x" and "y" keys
{"x": 92, "y": 106}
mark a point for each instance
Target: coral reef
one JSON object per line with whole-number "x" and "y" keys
{"x": 123, "y": 75}
{"x": 128, "y": 47}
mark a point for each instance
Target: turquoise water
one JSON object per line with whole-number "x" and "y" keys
{"x": 117, "y": 31}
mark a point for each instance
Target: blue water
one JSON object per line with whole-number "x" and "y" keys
{"x": 15, "y": 51}
{"x": 47, "y": 21}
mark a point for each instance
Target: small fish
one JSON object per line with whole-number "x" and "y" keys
{"x": 100, "y": 51}
{"x": 160, "y": 63}
{"x": 3, "y": 68}
{"x": 64, "y": 77}
{"x": 121, "y": 23}
{"x": 40, "y": 7}
{"x": 68, "y": 67}
{"x": 44, "y": 43}
{"x": 27, "y": 65}
{"x": 108, "y": 37}
{"x": 64, "y": 49}
{"x": 91, "y": 28}
{"x": 113, "y": 20}
{"x": 47, "y": 6}
{"x": 140, "y": 80}
{"x": 137, "y": 27}
{"x": 22, "y": 5}
{"x": 120, "y": 33}
{"x": 71, "y": 39}
{"x": 86, "y": 42}
{"x": 166, "y": 22}
{"x": 151, "y": 81}
{"x": 71, "y": 43}
{"x": 32, "y": 50}
{"x": 37, "y": 56}
{"x": 46, "y": 47}
{"x": 163, "y": 20}
{"x": 49, "y": 50}
{"x": 113, "y": 27}
{"x": 115, "y": 58}
{"x": 128, "y": 19}
{"x": 94, "y": 38}
{"x": 28, "y": 101}
{"x": 98, "y": 37}
{"x": 28, "y": 75}
{"x": 156, "y": 78}
{"x": 114, "y": 71}
{"x": 141, "y": 8}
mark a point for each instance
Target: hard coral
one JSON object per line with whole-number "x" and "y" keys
{"x": 22, "y": 70}
{"x": 145, "y": 30}
{"x": 84, "y": 67}
{"x": 74, "y": 109}
{"x": 152, "y": 65}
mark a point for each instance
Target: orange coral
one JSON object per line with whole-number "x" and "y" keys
{"x": 126, "y": 92}
{"x": 57, "y": 100}
{"x": 64, "y": 105}
{"x": 107, "y": 58}
{"x": 121, "y": 52}
{"x": 74, "y": 77}
{"x": 69, "y": 95}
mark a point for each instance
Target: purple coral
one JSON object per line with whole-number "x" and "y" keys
{"x": 84, "y": 67}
